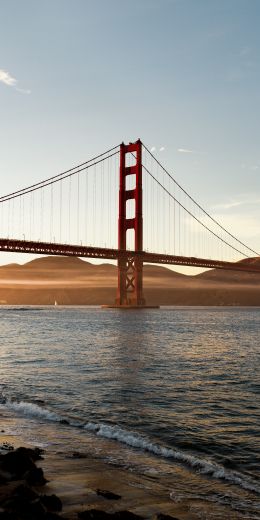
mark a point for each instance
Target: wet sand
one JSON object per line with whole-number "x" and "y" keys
{"x": 76, "y": 481}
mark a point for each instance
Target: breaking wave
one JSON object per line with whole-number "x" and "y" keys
{"x": 135, "y": 440}
{"x": 203, "y": 466}
{"x": 32, "y": 410}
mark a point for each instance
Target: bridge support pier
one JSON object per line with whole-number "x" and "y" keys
{"x": 130, "y": 282}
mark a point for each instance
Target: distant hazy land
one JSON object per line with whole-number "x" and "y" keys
{"x": 72, "y": 281}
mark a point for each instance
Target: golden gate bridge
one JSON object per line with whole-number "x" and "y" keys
{"x": 121, "y": 205}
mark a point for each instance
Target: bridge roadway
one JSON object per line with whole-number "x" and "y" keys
{"x": 45, "y": 248}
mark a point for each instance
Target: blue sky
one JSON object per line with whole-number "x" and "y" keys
{"x": 77, "y": 77}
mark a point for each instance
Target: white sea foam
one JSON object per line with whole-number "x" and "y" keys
{"x": 32, "y": 410}
{"x": 135, "y": 440}
{"x": 203, "y": 466}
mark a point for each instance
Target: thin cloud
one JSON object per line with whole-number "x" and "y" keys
{"x": 253, "y": 167}
{"x": 23, "y": 90}
{"x": 161, "y": 149}
{"x": 188, "y": 151}
{"x": 229, "y": 205}
{"x": 10, "y": 81}
{"x": 184, "y": 150}
{"x": 241, "y": 225}
{"x": 7, "y": 79}
{"x": 247, "y": 201}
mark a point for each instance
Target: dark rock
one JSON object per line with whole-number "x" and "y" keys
{"x": 25, "y": 492}
{"x": 229, "y": 463}
{"x": 64, "y": 421}
{"x": 51, "y": 502}
{"x": 126, "y": 515}
{"x": 108, "y": 494}
{"x": 16, "y": 463}
{"x": 94, "y": 514}
{"x": 35, "y": 510}
{"x": 79, "y": 455}
{"x": 6, "y": 446}
{"x": 51, "y": 516}
{"x": 33, "y": 453}
{"x": 24, "y": 508}
{"x": 35, "y": 477}
{"x": 4, "y": 515}
{"x": 3, "y": 478}
{"x": 14, "y": 504}
{"x": 162, "y": 516}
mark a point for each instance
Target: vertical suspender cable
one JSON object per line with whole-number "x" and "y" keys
{"x": 86, "y": 207}
{"x": 61, "y": 211}
{"x": 78, "y": 210}
{"x": 94, "y": 206}
{"x": 51, "y": 214}
{"x": 69, "y": 203}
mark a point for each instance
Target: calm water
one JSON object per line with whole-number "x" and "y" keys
{"x": 172, "y": 391}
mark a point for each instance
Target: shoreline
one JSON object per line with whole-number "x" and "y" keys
{"x": 173, "y": 297}
{"x": 75, "y": 478}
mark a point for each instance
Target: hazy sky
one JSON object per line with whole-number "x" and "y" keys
{"x": 79, "y": 76}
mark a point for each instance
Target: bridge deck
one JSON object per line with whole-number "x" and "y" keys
{"x": 45, "y": 248}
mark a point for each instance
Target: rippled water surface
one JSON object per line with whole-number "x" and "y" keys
{"x": 156, "y": 387}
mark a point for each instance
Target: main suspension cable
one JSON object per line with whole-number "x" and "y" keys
{"x": 41, "y": 184}
{"x": 56, "y": 178}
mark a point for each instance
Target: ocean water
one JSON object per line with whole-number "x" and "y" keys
{"x": 173, "y": 392}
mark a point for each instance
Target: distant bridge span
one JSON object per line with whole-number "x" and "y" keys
{"x": 45, "y": 248}
{"x": 149, "y": 208}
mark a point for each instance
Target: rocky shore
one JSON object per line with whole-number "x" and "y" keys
{"x": 23, "y": 493}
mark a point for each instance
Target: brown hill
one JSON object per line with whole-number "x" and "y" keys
{"x": 57, "y": 263}
{"x": 73, "y": 281}
{"x": 240, "y": 277}
{"x": 72, "y": 268}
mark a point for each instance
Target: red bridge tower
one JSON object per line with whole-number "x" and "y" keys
{"x": 130, "y": 269}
